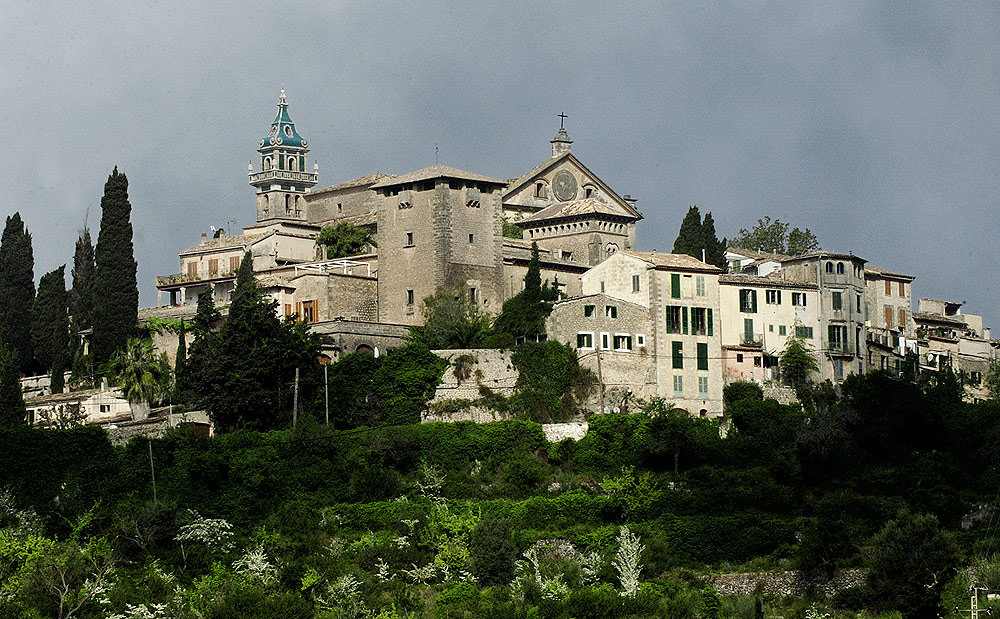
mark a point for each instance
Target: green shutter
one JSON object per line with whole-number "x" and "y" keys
{"x": 753, "y": 301}
{"x": 670, "y": 321}
{"x": 702, "y": 356}
{"x": 675, "y": 285}
{"x": 684, "y": 320}
{"x": 709, "y": 312}
{"x": 678, "y": 355}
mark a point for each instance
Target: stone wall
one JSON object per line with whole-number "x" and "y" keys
{"x": 555, "y": 432}
{"x": 784, "y": 395}
{"x": 783, "y": 583}
{"x": 475, "y": 368}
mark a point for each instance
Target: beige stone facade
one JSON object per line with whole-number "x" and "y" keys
{"x": 759, "y": 315}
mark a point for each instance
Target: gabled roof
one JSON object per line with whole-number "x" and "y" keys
{"x": 227, "y": 242}
{"x": 575, "y": 208}
{"x": 434, "y": 172}
{"x": 362, "y": 181}
{"x": 672, "y": 261}
{"x": 819, "y": 253}
{"x": 518, "y": 183}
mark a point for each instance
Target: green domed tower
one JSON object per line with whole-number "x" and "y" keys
{"x": 283, "y": 180}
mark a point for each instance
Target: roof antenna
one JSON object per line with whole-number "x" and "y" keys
{"x": 436, "y": 154}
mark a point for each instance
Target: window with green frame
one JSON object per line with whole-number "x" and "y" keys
{"x": 675, "y": 285}
{"x": 702, "y": 356}
{"x": 678, "y": 355}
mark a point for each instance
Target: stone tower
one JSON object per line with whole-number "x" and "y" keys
{"x": 282, "y": 182}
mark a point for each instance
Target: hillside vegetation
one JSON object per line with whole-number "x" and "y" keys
{"x": 463, "y": 520}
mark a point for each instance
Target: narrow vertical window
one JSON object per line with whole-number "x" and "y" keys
{"x": 675, "y": 285}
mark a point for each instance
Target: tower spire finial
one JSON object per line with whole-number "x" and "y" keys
{"x": 561, "y": 143}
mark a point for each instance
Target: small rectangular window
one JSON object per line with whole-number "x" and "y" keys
{"x": 699, "y": 321}
{"x": 602, "y": 286}
{"x": 677, "y": 350}
{"x": 748, "y": 301}
{"x": 858, "y": 303}
{"x": 611, "y": 311}
{"x": 799, "y": 299}
{"x": 673, "y": 319}
{"x": 588, "y": 310}
{"x": 703, "y": 387}
{"x": 678, "y": 386}
{"x": 409, "y": 297}
{"x": 234, "y": 263}
{"x": 805, "y": 333}
{"x": 772, "y": 297}
{"x": 584, "y": 340}
{"x": 888, "y": 288}
{"x": 739, "y": 357}
{"x": 192, "y": 269}
{"x": 702, "y": 356}
{"x": 213, "y": 266}
{"x": 623, "y": 341}
{"x": 888, "y": 317}
{"x": 473, "y": 296}
{"x": 699, "y": 284}
{"x": 409, "y": 240}
{"x": 472, "y": 238}
{"x": 782, "y": 330}
{"x": 605, "y": 341}
{"x": 635, "y": 283}
{"x": 675, "y": 286}
{"x": 902, "y": 289}
{"x": 640, "y": 339}
{"x": 837, "y": 300}
{"x": 902, "y": 318}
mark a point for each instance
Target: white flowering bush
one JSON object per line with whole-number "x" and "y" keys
{"x": 254, "y": 563}
{"x": 626, "y": 561}
{"x": 215, "y": 533}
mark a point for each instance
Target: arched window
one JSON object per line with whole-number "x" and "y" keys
{"x": 829, "y": 267}
{"x": 267, "y": 163}
{"x": 840, "y": 268}
{"x": 291, "y": 164}
{"x": 267, "y": 204}
{"x": 288, "y": 204}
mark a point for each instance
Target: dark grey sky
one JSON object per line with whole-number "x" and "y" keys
{"x": 874, "y": 124}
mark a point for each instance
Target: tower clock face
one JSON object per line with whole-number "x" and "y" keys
{"x": 564, "y": 185}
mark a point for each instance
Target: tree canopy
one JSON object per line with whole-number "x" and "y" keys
{"x": 453, "y": 320}
{"x": 697, "y": 235}
{"x": 17, "y": 290}
{"x": 12, "y": 411}
{"x": 774, "y": 237}
{"x": 116, "y": 294}
{"x": 142, "y": 375}
{"x": 344, "y": 239}
{"x": 524, "y": 314}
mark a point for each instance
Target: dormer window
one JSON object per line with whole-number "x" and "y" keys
{"x": 540, "y": 190}
{"x": 288, "y": 131}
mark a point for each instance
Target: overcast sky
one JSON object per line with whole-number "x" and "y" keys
{"x": 878, "y": 128}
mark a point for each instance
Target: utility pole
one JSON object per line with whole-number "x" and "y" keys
{"x": 326, "y": 393}
{"x": 974, "y": 609}
{"x": 295, "y": 399}
{"x": 152, "y": 471}
{"x": 600, "y": 380}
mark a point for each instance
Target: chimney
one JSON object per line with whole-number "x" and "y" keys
{"x": 204, "y": 238}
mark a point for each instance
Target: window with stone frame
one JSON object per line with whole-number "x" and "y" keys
{"x": 799, "y": 299}
{"x": 748, "y": 301}
{"x": 584, "y": 340}
{"x": 837, "y": 300}
{"x": 234, "y": 263}
{"x": 623, "y": 341}
{"x": 772, "y": 297}
{"x": 192, "y": 268}
{"x": 213, "y": 267}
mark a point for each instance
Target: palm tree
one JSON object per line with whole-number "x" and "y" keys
{"x": 142, "y": 375}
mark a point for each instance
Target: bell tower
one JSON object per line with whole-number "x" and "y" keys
{"x": 282, "y": 181}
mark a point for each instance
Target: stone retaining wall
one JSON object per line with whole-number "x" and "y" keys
{"x": 792, "y": 583}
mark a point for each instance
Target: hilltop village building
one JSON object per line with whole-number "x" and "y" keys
{"x": 651, "y": 324}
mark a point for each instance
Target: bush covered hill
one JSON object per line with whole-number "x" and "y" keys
{"x": 463, "y": 520}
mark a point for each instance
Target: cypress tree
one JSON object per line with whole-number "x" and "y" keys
{"x": 81, "y": 296}
{"x": 715, "y": 250}
{"x": 533, "y": 278}
{"x": 12, "y": 411}
{"x": 49, "y": 321}
{"x": 691, "y": 237}
{"x": 181, "y": 351}
{"x": 116, "y": 294}
{"x": 17, "y": 290}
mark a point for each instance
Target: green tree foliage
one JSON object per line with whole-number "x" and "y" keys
{"x": 181, "y": 356}
{"x": 343, "y": 239}
{"x": 453, "y": 320}
{"x": 797, "y": 363}
{"x": 142, "y": 375}
{"x": 207, "y": 316}
{"x": 116, "y": 295}
{"x": 774, "y": 237}
{"x": 551, "y": 384}
{"x": 512, "y": 230}
{"x": 12, "y": 411}
{"x": 741, "y": 390}
{"x": 49, "y": 321}
{"x": 524, "y": 314}
{"x": 389, "y": 390}
{"x": 910, "y": 560}
{"x": 492, "y": 552}
{"x": 697, "y": 235}
{"x": 992, "y": 379}
{"x": 244, "y": 374}
{"x": 81, "y": 295}
{"x": 17, "y": 290}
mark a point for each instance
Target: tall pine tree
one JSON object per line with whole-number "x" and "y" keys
{"x": 49, "y": 321}
{"x": 715, "y": 250}
{"x": 17, "y": 291}
{"x": 81, "y": 296}
{"x": 116, "y": 294}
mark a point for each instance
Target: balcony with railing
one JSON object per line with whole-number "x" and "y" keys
{"x": 165, "y": 281}
{"x": 283, "y": 175}
{"x": 752, "y": 339}
{"x": 839, "y": 347}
